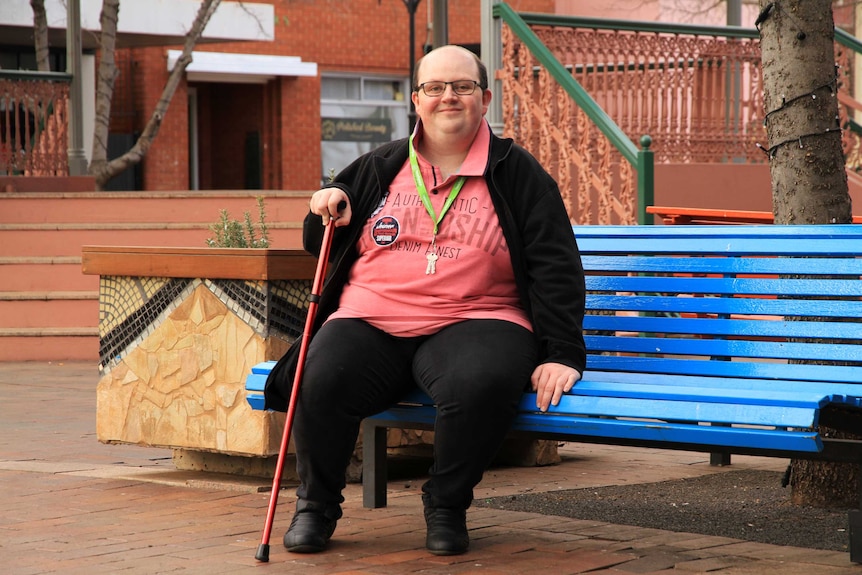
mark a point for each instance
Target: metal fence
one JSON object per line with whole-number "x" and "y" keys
{"x": 34, "y": 123}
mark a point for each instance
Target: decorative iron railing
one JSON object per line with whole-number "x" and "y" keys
{"x": 603, "y": 176}
{"x": 34, "y": 123}
{"x": 847, "y": 48}
{"x": 578, "y": 91}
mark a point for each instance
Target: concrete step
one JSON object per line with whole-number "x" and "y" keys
{"x": 48, "y": 240}
{"x": 49, "y": 344}
{"x": 49, "y": 308}
{"x": 43, "y": 274}
{"x": 56, "y": 309}
{"x": 130, "y": 207}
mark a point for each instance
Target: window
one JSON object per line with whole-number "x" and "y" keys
{"x": 358, "y": 114}
{"x": 24, "y": 58}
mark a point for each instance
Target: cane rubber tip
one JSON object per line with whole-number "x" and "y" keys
{"x": 262, "y": 554}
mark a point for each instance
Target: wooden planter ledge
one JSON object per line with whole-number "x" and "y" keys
{"x": 213, "y": 263}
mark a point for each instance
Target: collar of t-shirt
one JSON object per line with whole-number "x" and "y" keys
{"x": 477, "y": 157}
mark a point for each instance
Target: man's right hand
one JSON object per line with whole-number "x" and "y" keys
{"x": 331, "y": 203}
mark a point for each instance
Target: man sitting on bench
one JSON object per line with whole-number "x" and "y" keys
{"x": 456, "y": 268}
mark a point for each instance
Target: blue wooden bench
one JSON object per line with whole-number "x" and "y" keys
{"x": 721, "y": 339}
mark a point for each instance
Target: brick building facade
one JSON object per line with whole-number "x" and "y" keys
{"x": 231, "y": 134}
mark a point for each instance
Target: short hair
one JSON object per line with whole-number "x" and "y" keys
{"x": 483, "y": 71}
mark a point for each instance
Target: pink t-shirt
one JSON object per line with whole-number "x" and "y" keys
{"x": 388, "y": 285}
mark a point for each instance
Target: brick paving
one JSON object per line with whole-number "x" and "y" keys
{"x": 71, "y": 505}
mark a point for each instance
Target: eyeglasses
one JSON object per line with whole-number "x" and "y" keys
{"x": 460, "y": 87}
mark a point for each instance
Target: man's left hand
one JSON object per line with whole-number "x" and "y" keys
{"x": 550, "y": 381}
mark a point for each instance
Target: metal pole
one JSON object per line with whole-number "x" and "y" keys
{"x": 734, "y": 72}
{"x": 77, "y": 158}
{"x": 734, "y": 12}
{"x": 411, "y": 10}
{"x": 441, "y": 23}
{"x": 491, "y": 51}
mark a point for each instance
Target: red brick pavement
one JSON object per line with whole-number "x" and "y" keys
{"x": 71, "y": 505}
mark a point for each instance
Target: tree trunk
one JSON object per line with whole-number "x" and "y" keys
{"x": 40, "y": 35}
{"x": 102, "y": 169}
{"x": 822, "y": 484}
{"x": 809, "y": 181}
{"x": 105, "y": 78}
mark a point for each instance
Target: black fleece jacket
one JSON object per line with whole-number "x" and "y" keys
{"x": 533, "y": 219}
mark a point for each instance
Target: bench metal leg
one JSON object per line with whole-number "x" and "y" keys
{"x": 719, "y": 459}
{"x": 855, "y": 521}
{"x": 373, "y": 465}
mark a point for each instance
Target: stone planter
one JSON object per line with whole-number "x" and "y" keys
{"x": 179, "y": 330}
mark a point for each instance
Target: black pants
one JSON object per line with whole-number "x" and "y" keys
{"x": 475, "y": 371}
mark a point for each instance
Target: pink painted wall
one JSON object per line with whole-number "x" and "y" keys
{"x": 676, "y": 11}
{"x": 726, "y": 186}
{"x": 628, "y": 9}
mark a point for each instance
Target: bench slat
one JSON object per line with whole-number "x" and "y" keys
{"x": 263, "y": 368}
{"x": 720, "y": 326}
{"x": 672, "y": 404}
{"x": 808, "y": 399}
{"x": 731, "y": 231}
{"x": 717, "y": 265}
{"x": 256, "y": 401}
{"x": 749, "y": 246}
{"x": 749, "y": 406}
{"x": 799, "y": 441}
{"x": 572, "y": 426}
{"x": 257, "y": 380}
{"x": 721, "y": 232}
{"x": 727, "y": 305}
{"x": 667, "y": 409}
{"x": 675, "y": 403}
{"x": 724, "y": 348}
{"x": 650, "y": 386}
{"x": 660, "y": 386}
{"x": 723, "y": 286}
{"x": 753, "y": 369}
{"x": 835, "y": 391}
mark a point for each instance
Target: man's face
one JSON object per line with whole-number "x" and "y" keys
{"x": 450, "y": 114}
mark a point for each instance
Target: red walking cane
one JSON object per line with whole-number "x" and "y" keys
{"x": 313, "y": 299}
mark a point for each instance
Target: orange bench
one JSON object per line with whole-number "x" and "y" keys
{"x": 679, "y": 216}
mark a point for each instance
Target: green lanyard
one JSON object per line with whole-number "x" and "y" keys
{"x": 423, "y": 192}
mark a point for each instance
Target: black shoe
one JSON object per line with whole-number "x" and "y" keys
{"x": 312, "y": 526}
{"x": 447, "y": 531}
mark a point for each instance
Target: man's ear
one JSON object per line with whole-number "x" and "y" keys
{"x": 486, "y": 100}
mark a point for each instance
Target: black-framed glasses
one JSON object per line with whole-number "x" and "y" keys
{"x": 436, "y": 89}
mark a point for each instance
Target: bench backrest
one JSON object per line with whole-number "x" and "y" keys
{"x": 731, "y": 301}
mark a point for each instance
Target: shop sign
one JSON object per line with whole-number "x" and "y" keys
{"x": 356, "y": 129}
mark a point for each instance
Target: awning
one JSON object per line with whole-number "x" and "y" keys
{"x": 141, "y": 22}
{"x": 241, "y": 68}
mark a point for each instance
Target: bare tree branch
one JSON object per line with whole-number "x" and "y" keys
{"x": 103, "y": 170}
{"x": 260, "y": 27}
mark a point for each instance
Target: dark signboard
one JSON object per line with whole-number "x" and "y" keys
{"x": 355, "y": 129}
